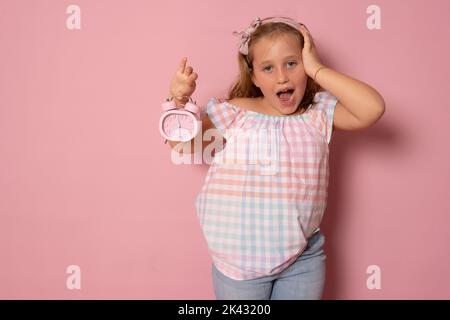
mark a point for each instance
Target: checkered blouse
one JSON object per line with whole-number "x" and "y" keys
{"x": 266, "y": 191}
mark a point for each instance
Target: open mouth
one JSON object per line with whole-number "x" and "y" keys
{"x": 285, "y": 95}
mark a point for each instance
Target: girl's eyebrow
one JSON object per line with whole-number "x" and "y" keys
{"x": 288, "y": 57}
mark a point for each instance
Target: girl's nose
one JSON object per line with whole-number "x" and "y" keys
{"x": 281, "y": 76}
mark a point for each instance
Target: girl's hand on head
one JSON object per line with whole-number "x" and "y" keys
{"x": 311, "y": 61}
{"x": 183, "y": 83}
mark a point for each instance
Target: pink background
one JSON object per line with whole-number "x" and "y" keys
{"x": 86, "y": 180}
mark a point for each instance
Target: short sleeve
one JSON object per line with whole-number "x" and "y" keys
{"x": 324, "y": 106}
{"x": 223, "y": 115}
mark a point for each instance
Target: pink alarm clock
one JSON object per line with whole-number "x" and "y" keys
{"x": 178, "y": 123}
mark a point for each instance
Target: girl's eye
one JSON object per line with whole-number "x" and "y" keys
{"x": 291, "y": 63}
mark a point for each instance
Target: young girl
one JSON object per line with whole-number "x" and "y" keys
{"x": 261, "y": 214}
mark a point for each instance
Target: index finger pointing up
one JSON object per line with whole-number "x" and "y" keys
{"x": 182, "y": 65}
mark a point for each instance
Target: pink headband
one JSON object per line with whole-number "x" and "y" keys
{"x": 246, "y": 34}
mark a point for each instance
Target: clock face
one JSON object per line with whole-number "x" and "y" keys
{"x": 179, "y": 126}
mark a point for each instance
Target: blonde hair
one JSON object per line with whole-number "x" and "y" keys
{"x": 244, "y": 86}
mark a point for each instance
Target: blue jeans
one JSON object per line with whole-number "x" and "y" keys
{"x": 303, "y": 280}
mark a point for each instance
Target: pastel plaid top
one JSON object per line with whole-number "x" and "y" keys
{"x": 266, "y": 191}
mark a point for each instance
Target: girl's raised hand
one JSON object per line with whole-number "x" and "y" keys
{"x": 311, "y": 61}
{"x": 183, "y": 82}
